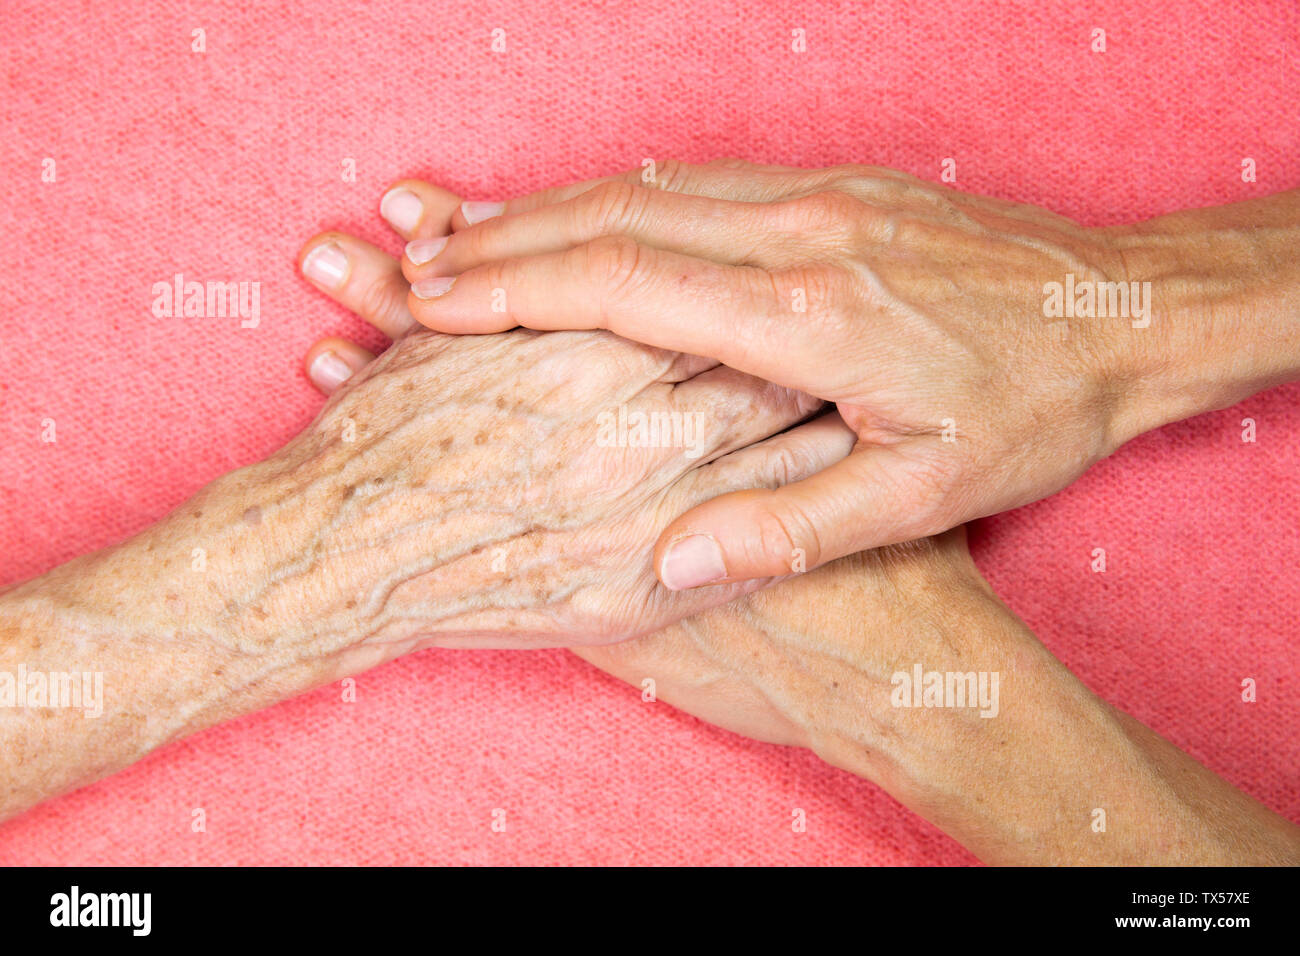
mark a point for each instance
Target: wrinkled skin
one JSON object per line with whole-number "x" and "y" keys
{"x": 811, "y": 662}
{"x": 456, "y": 492}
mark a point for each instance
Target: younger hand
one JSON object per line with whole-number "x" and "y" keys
{"x": 919, "y": 310}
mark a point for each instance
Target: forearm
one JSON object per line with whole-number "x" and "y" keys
{"x": 1051, "y": 775}
{"x": 1061, "y": 777}
{"x": 1225, "y": 310}
{"x": 116, "y": 653}
{"x": 271, "y": 581}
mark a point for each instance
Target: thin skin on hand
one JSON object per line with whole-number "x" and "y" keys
{"x": 429, "y": 504}
{"x": 284, "y": 597}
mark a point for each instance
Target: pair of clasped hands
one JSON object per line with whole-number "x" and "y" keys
{"x": 871, "y": 355}
{"x": 867, "y": 363}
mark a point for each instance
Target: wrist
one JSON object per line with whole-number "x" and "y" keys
{"x": 162, "y": 616}
{"x": 316, "y": 555}
{"x": 1224, "y": 300}
{"x": 1004, "y": 778}
{"x": 259, "y": 567}
{"x": 93, "y": 674}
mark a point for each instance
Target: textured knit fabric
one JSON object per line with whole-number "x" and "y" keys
{"x": 219, "y": 164}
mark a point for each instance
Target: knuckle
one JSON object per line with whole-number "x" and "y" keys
{"x": 830, "y": 179}
{"x": 885, "y": 188}
{"x": 382, "y": 300}
{"x": 827, "y": 208}
{"x": 671, "y": 175}
{"x": 849, "y": 174}
{"x": 825, "y": 287}
{"x": 787, "y": 464}
{"x": 835, "y": 221}
{"x": 611, "y": 206}
{"x": 616, "y": 263}
{"x": 783, "y": 530}
{"x": 829, "y": 219}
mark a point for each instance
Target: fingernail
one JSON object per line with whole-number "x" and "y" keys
{"x": 692, "y": 561}
{"x": 402, "y": 208}
{"x": 432, "y": 288}
{"x": 422, "y": 250}
{"x": 478, "y": 211}
{"x": 328, "y": 371}
{"x": 326, "y": 264}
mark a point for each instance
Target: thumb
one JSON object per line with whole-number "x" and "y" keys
{"x": 864, "y": 501}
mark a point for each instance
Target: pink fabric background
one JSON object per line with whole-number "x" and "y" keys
{"x": 219, "y": 166}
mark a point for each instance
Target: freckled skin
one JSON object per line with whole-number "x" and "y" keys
{"x": 529, "y": 483}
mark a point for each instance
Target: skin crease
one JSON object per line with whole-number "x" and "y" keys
{"x": 922, "y": 309}
{"x": 808, "y": 662}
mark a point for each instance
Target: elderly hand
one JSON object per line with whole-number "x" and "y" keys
{"x": 493, "y": 491}
{"x": 487, "y": 491}
{"x": 499, "y": 440}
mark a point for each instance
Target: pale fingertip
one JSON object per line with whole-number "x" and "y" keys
{"x": 326, "y": 265}
{"x": 433, "y": 288}
{"x": 421, "y": 251}
{"x": 476, "y": 212}
{"x": 327, "y": 372}
{"x": 402, "y": 209}
{"x": 692, "y": 561}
